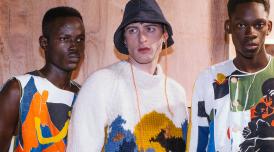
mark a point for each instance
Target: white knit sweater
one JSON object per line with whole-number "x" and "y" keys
{"x": 106, "y": 112}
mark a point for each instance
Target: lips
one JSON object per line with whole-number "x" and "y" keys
{"x": 144, "y": 50}
{"x": 74, "y": 57}
{"x": 251, "y": 46}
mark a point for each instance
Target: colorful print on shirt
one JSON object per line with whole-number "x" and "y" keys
{"x": 43, "y": 124}
{"x": 154, "y": 133}
{"x": 252, "y": 111}
{"x": 206, "y": 133}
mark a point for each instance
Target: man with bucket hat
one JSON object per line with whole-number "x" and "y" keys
{"x": 132, "y": 105}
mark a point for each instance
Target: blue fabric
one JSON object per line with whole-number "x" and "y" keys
{"x": 184, "y": 129}
{"x": 45, "y": 133}
{"x": 203, "y": 133}
{"x": 29, "y": 91}
{"x": 126, "y": 143}
{"x": 211, "y": 144}
{"x": 74, "y": 99}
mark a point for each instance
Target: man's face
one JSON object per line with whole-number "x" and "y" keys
{"x": 144, "y": 42}
{"x": 66, "y": 43}
{"x": 249, "y": 25}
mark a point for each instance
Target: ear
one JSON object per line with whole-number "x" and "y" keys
{"x": 43, "y": 41}
{"x": 227, "y": 27}
{"x": 269, "y": 26}
{"x": 164, "y": 40}
{"x": 165, "y": 36}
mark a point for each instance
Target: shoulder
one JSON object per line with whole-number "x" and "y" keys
{"x": 19, "y": 82}
{"x": 104, "y": 77}
{"x": 208, "y": 75}
{"x": 16, "y": 82}
{"x": 225, "y": 65}
{"x": 175, "y": 85}
{"x": 99, "y": 86}
{"x": 11, "y": 85}
{"x": 176, "y": 89}
{"x": 15, "y": 85}
{"x": 11, "y": 91}
{"x": 24, "y": 79}
{"x": 106, "y": 74}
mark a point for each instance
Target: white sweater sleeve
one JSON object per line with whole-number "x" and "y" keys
{"x": 199, "y": 115}
{"x": 89, "y": 115}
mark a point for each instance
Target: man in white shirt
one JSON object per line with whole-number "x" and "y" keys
{"x": 226, "y": 95}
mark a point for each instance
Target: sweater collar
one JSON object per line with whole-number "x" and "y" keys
{"x": 143, "y": 79}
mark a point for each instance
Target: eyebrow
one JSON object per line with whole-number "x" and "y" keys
{"x": 151, "y": 24}
{"x": 65, "y": 34}
{"x": 147, "y": 24}
{"x": 130, "y": 26}
{"x": 238, "y": 18}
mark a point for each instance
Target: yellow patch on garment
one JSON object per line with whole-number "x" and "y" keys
{"x": 150, "y": 127}
{"x": 47, "y": 140}
{"x": 220, "y": 78}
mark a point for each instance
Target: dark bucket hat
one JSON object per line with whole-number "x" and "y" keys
{"x": 141, "y": 11}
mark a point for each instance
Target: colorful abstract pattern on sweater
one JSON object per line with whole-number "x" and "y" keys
{"x": 232, "y": 110}
{"x": 206, "y": 133}
{"x": 252, "y": 103}
{"x": 154, "y": 133}
{"x": 43, "y": 125}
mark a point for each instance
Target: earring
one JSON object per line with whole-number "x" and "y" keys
{"x": 227, "y": 29}
{"x": 125, "y": 44}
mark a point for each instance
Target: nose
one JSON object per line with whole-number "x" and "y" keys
{"x": 250, "y": 32}
{"x": 72, "y": 44}
{"x": 142, "y": 37}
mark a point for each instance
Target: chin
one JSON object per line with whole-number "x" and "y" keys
{"x": 147, "y": 61}
{"x": 71, "y": 68}
{"x": 248, "y": 53}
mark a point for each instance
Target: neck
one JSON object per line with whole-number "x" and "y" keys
{"x": 251, "y": 65}
{"x": 149, "y": 68}
{"x": 56, "y": 76}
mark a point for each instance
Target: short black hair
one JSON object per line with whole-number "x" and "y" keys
{"x": 232, "y": 4}
{"x": 57, "y": 12}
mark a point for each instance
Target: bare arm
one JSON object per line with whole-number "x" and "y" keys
{"x": 9, "y": 107}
